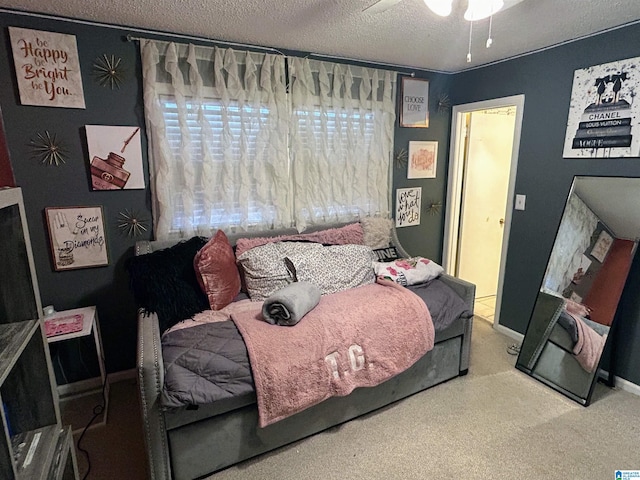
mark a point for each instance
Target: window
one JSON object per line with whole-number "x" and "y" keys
{"x": 212, "y": 147}
{"x": 235, "y": 146}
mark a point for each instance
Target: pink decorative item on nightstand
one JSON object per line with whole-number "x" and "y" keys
{"x": 59, "y": 326}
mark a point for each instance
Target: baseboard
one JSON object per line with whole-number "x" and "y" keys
{"x": 89, "y": 385}
{"x": 92, "y": 385}
{"x": 508, "y": 332}
{"x": 627, "y": 386}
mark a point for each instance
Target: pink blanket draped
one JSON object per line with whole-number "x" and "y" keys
{"x": 355, "y": 338}
{"x": 589, "y": 346}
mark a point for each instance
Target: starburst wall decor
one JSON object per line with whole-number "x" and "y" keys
{"x": 444, "y": 103}
{"x": 130, "y": 224}
{"x": 107, "y": 70}
{"x": 401, "y": 157}
{"x": 47, "y": 149}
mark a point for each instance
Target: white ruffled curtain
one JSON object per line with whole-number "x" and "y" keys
{"x": 217, "y": 124}
{"x": 341, "y": 140}
{"x": 230, "y": 148}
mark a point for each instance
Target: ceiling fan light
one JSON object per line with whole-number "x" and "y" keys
{"x": 440, "y": 7}
{"x": 479, "y": 9}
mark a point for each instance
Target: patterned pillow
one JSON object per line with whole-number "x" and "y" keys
{"x": 409, "y": 271}
{"x": 332, "y": 269}
{"x": 338, "y": 267}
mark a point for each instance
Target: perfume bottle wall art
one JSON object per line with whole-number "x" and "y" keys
{"x": 115, "y": 157}
{"x": 108, "y": 174}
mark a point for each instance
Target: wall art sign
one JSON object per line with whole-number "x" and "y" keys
{"x": 604, "y": 112}
{"x": 77, "y": 237}
{"x": 115, "y": 157}
{"x": 423, "y": 157}
{"x": 47, "y": 68}
{"x": 602, "y": 246}
{"x": 415, "y": 103}
{"x": 408, "y": 206}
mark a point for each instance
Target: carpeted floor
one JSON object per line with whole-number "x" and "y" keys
{"x": 495, "y": 423}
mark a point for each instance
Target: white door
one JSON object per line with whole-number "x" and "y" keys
{"x": 473, "y": 228}
{"x": 484, "y": 205}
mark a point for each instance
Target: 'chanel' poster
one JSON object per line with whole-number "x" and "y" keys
{"x": 603, "y": 116}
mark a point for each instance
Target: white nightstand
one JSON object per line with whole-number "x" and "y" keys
{"x": 77, "y": 403}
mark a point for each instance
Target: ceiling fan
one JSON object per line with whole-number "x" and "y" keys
{"x": 476, "y": 9}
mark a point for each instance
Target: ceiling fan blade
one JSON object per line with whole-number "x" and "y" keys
{"x": 381, "y": 6}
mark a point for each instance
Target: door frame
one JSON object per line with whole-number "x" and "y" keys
{"x": 455, "y": 189}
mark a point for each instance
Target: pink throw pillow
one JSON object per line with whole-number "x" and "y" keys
{"x": 351, "y": 234}
{"x": 217, "y": 272}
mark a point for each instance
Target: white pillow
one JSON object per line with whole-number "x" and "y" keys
{"x": 376, "y": 231}
{"x": 408, "y": 271}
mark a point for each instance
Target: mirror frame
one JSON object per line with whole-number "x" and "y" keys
{"x": 609, "y": 346}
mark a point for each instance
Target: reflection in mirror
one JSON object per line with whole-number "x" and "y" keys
{"x": 586, "y": 273}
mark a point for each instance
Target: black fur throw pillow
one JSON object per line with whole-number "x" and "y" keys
{"x": 165, "y": 282}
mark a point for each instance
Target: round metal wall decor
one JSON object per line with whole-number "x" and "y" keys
{"x": 46, "y": 148}
{"x": 108, "y": 70}
{"x": 130, "y": 224}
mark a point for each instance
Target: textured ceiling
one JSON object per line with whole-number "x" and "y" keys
{"x": 405, "y": 34}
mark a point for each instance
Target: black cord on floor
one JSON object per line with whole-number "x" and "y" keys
{"x": 97, "y": 411}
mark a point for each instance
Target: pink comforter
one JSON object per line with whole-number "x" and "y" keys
{"x": 354, "y": 338}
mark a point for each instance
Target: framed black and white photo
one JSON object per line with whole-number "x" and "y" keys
{"x": 77, "y": 237}
{"x": 415, "y": 103}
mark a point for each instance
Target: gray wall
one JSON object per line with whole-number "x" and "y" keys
{"x": 68, "y": 184}
{"x": 544, "y": 176}
{"x": 426, "y": 239}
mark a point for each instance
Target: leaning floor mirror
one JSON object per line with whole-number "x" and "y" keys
{"x": 585, "y": 276}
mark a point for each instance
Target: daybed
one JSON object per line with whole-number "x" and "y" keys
{"x": 194, "y": 441}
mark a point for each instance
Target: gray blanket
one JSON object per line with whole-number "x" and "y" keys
{"x": 288, "y": 305}
{"x": 203, "y": 364}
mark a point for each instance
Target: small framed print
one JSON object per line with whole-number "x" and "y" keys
{"x": 77, "y": 237}
{"x": 415, "y": 103}
{"x": 408, "y": 201}
{"x": 423, "y": 158}
{"x": 602, "y": 246}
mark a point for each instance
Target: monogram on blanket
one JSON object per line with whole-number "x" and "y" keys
{"x": 354, "y": 338}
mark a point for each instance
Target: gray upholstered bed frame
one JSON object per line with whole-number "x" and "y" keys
{"x": 190, "y": 444}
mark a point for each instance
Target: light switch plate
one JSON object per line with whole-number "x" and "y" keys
{"x": 520, "y": 201}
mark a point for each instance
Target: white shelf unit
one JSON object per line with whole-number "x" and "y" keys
{"x": 34, "y": 445}
{"x": 90, "y": 326}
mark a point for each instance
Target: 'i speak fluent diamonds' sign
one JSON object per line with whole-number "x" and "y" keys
{"x": 47, "y": 68}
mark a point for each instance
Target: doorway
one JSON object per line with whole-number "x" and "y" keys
{"x": 485, "y": 139}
